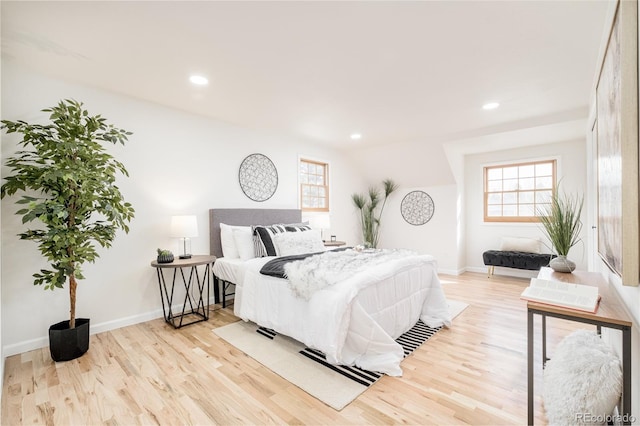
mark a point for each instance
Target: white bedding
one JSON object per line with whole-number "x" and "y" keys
{"x": 355, "y": 321}
{"x": 229, "y": 270}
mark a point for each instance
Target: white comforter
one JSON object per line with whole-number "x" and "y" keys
{"x": 355, "y": 321}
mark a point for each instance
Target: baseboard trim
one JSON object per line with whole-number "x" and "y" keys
{"x": 41, "y": 342}
{"x": 479, "y": 269}
{"x": 452, "y": 271}
{"x": 499, "y": 270}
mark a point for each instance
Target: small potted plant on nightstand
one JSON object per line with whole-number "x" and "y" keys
{"x": 164, "y": 256}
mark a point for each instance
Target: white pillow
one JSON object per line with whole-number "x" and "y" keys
{"x": 227, "y": 241}
{"x": 243, "y": 237}
{"x": 527, "y": 245}
{"x": 291, "y": 243}
{"x": 582, "y": 376}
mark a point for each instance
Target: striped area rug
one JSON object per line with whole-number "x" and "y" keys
{"x": 336, "y": 386}
{"x": 410, "y": 341}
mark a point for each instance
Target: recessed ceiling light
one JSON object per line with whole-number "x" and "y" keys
{"x": 356, "y": 136}
{"x": 491, "y": 105}
{"x": 199, "y": 80}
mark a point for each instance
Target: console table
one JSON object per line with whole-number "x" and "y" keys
{"x": 194, "y": 286}
{"x": 610, "y": 314}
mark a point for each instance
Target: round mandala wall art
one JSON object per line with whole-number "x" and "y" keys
{"x": 417, "y": 208}
{"x": 258, "y": 177}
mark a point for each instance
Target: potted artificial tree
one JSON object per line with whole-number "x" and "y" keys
{"x": 67, "y": 180}
{"x": 561, "y": 223}
{"x": 369, "y": 221}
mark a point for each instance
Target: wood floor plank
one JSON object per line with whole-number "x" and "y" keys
{"x": 149, "y": 373}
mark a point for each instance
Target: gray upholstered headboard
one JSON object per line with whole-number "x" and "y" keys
{"x": 246, "y": 217}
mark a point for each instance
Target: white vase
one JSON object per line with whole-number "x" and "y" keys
{"x": 562, "y": 264}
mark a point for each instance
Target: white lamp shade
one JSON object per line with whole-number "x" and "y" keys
{"x": 184, "y": 226}
{"x": 320, "y": 221}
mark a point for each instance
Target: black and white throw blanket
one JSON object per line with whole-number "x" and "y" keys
{"x": 275, "y": 267}
{"x": 310, "y": 273}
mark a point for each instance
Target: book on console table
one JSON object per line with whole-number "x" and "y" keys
{"x": 573, "y": 296}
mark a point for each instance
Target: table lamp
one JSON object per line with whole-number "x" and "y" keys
{"x": 320, "y": 222}
{"x": 184, "y": 227}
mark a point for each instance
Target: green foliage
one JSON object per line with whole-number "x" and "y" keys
{"x": 162, "y": 252}
{"x": 561, "y": 221}
{"x": 369, "y": 221}
{"x": 76, "y": 201}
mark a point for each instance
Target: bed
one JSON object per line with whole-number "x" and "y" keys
{"x": 354, "y": 321}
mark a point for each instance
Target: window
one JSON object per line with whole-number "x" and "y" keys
{"x": 518, "y": 192}
{"x": 314, "y": 186}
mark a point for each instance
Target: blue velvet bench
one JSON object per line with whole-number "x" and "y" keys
{"x": 515, "y": 259}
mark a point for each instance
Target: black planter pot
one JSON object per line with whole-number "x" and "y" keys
{"x": 66, "y": 344}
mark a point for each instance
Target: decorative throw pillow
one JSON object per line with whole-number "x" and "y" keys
{"x": 291, "y": 243}
{"x": 527, "y": 245}
{"x": 243, "y": 238}
{"x": 263, "y": 238}
{"x": 583, "y": 376}
{"x": 227, "y": 241}
{"x": 297, "y": 227}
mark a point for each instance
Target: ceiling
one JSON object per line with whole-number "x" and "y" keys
{"x": 396, "y": 72}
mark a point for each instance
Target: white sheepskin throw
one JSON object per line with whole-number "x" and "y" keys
{"x": 323, "y": 270}
{"x": 582, "y": 381}
{"x": 291, "y": 243}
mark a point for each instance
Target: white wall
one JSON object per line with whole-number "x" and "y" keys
{"x": 412, "y": 164}
{"x": 416, "y": 166}
{"x": 1, "y": 345}
{"x": 178, "y": 164}
{"x": 481, "y": 236}
{"x": 629, "y": 296}
{"x": 437, "y": 237}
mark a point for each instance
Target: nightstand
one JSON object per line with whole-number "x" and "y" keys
{"x": 193, "y": 304}
{"x": 334, "y": 243}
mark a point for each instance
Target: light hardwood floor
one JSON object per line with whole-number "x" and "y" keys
{"x": 471, "y": 373}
